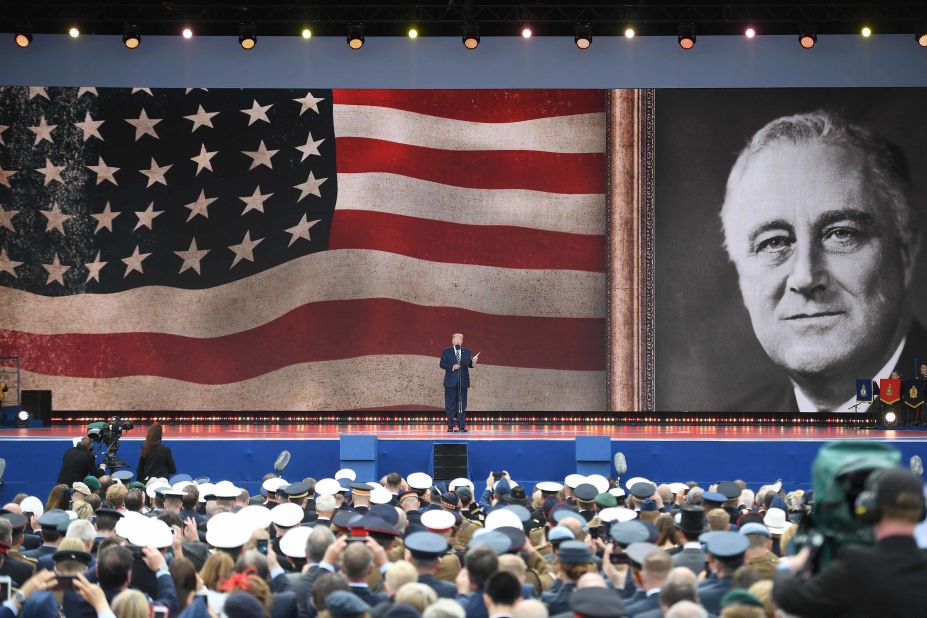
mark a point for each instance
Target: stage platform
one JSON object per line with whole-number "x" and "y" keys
{"x": 244, "y": 452}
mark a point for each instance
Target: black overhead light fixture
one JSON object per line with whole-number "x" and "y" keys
{"x": 807, "y": 36}
{"x": 686, "y": 38}
{"x": 582, "y": 35}
{"x": 247, "y": 36}
{"x": 471, "y": 35}
{"x": 130, "y": 36}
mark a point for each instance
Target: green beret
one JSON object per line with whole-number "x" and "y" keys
{"x": 137, "y": 485}
{"x": 92, "y": 482}
{"x": 606, "y": 501}
{"x": 464, "y": 492}
{"x": 739, "y": 596}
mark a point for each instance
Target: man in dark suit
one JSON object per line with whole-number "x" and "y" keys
{"x": 691, "y": 525}
{"x": 357, "y": 564}
{"x": 503, "y": 591}
{"x": 456, "y": 361}
{"x": 885, "y": 580}
{"x": 654, "y": 567}
{"x": 17, "y": 570}
{"x": 825, "y": 260}
{"x": 725, "y": 555}
{"x": 481, "y": 562}
{"x": 77, "y": 463}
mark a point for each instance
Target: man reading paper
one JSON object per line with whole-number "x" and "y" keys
{"x": 456, "y": 362}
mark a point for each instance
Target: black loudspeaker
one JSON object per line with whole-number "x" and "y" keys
{"x": 38, "y": 404}
{"x": 451, "y": 461}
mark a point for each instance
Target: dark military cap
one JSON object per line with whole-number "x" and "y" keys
{"x": 464, "y": 492}
{"x": 426, "y": 545}
{"x": 585, "y": 492}
{"x": 92, "y": 482}
{"x": 729, "y": 490}
{"x": 714, "y": 497}
{"x": 450, "y": 501}
{"x": 408, "y": 493}
{"x": 739, "y": 596}
{"x": 386, "y": 512}
{"x": 637, "y": 552}
{"x": 606, "y": 501}
{"x": 502, "y": 487}
{"x": 344, "y": 603}
{"x": 495, "y": 540}
{"x": 104, "y": 512}
{"x": 627, "y": 532}
{"x": 564, "y": 512}
{"x": 123, "y": 475}
{"x": 597, "y": 603}
{"x": 374, "y": 524}
{"x": 517, "y": 496}
{"x": 516, "y": 537}
{"x": 297, "y": 490}
{"x": 17, "y": 521}
{"x": 70, "y": 554}
{"x": 574, "y": 552}
{"x": 649, "y": 505}
{"x": 63, "y": 526}
{"x": 50, "y": 520}
{"x": 726, "y": 544}
{"x": 343, "y": 519}
{"x": 643, "y": 490}
{"x": 361, "y": 489}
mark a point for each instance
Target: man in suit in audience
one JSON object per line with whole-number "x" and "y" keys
{"x": 691, "y": 525}
{"x": 819, "y": 223}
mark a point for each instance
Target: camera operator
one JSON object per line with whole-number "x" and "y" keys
{"x": 884, "y": 580}
{"x": 78, "y": 462}
{"x": 157, "y": 459}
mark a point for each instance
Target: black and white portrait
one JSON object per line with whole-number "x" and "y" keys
{"x": 789, "y": 224}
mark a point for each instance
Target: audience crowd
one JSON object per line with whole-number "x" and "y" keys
{"x": 411, "y": 547}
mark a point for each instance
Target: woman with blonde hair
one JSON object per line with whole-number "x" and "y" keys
{"x": 130, "y": 604}
{"x": 417, "y": 595}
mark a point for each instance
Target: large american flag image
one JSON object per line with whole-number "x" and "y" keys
{"x": 277, "y": 250}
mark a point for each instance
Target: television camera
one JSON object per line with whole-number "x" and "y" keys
{"x": 104, "y": 436}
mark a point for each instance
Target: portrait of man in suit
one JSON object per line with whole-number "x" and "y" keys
{"x": 819, "y": 224}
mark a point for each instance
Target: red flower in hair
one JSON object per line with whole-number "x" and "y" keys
{"x": 238, "y": 581}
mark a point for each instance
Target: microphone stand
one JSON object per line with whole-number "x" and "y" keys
{"x": 459, "y": 387}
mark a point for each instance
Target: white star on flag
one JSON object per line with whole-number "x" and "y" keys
{"x": 56, "y": 218}
{"x": 134, "y": 262}
{"x": 311, "y": 148}
{"x": 7, "y": 265}
{"x": 144, "y": 125}
{"x": 200, "y": 206}
{"x": 43, "y": 131}
{"x": 93, "y": 269}
{"x": 51, "y": 172}
{"x": 310, "y": 187}
{"x": 308, "y": 102}
{"x": 90, "y": 127}
{"x": 261, "y": 156}
{"x": 55, "y": 271}
{"x": 301, "y": 230}
{"x": 255, "y": 201}
{"x": 105, "y": 218}
{"x": 203, "y": 159}
{"x": 3, "y": 128}
{"x": 257, "y": 112}
{"x": 201, "y": 118}
{"x": 245, "y": 250}
{"x": 84, "y": 90}
{"x": 5, "y": 176}
{"x": 145, "y": 90}
{"x": 156, "y": 173}
{"x": 146, "y": 217}
{"x": 191, "y": 257}
{"x": 6, "y": 218}
{"x": 37, "y": 91}
{"x": 104, "y": 171}
{"x": 189, "y": 90}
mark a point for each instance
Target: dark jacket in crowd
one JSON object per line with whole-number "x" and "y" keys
{"x": 158, "y": 463}
{"x": 18, "y": 570}
{"x": 77, "y": 464}
{"x": 886, "y": 581}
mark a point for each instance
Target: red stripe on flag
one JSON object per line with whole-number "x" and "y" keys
{"x": 456, "y": 243}
{"x": 553, "y": 172}
{"x": 480, "y": 105}
{"x": 323, "y": 331}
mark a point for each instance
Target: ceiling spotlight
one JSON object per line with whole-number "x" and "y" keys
{"x": 471, "y": 35}
{"x": 187, "y": 32}
{"x": 582, "y": 35}
{"x": 920, "y": 35}
{"x": 890, "y": 418}
{"x": 306, "y": 33}
{"x": 355, "y": 36}
{"x": 866, "y": 31}
{"x": 130, "y": 36}
{"x": 750, "y": 32}
{"x": 247, "y": 37}
{"x": 74, "y": 32}
{"x": 23, "y": 39}
{"x": 686, "y": 36}
{"x": 629, "y": 32}
{"x": 413, "y": 32}
{"x": 526, "y": 32}
{"x": 806, "y": 36}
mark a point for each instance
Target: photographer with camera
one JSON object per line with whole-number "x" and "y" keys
{"x": 157, "y": 459}
{"x": 78, "y": 462}
{"x": 885, "y": 580}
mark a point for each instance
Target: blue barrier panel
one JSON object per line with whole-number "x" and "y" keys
{"x": 594, "y": 455}
{"x": 360, "y": 454}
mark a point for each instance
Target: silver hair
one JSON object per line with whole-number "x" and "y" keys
{"x": 686, "y": 609}
{"x": 82, "y": 530}
{"x": 325, "y": 504}
{"x": 318, "y": 542}
{"x": 884, "y": 165}
{"x": 444, "y": 608}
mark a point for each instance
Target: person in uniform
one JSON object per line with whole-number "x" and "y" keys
{"x": 360, "y": 497}
{"x": 17, "y": 570}
{"x": 441, "y": 522}
{"x": 49, "y": 522}
{"x": 759, "y": 555}
{"x": 424, "y": 550}
{"x": 18, "y": 523}
{"x": 575, "y": 561}
{"x": 725, "y": 555}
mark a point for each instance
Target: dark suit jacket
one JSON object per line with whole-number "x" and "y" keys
{"x": 75, "y": 607}
{"x": 475, "y": 606}
{"x": 17, "y": 570}
{"x": 691, "y": 558}
{"x": 644, "y": 605}
{"x": 302, "y": 586}
{"x": 159, "y": 462}
{"x": 887, "y": 580}
{"x": 38, "y": 552}
{"x": 76, "y": 464}
{"x": 780, "y": 397}
{"x": 284, "y": 605}
{"x": 448, "y": 360}
{"x": 444, "y": 590}
{"x": 710, "y": 592}
{"x": 367, "y": 596}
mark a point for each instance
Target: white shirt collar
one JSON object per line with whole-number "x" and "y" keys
{"x": 805, "y": 404}
{"x": 692, "y": 545}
